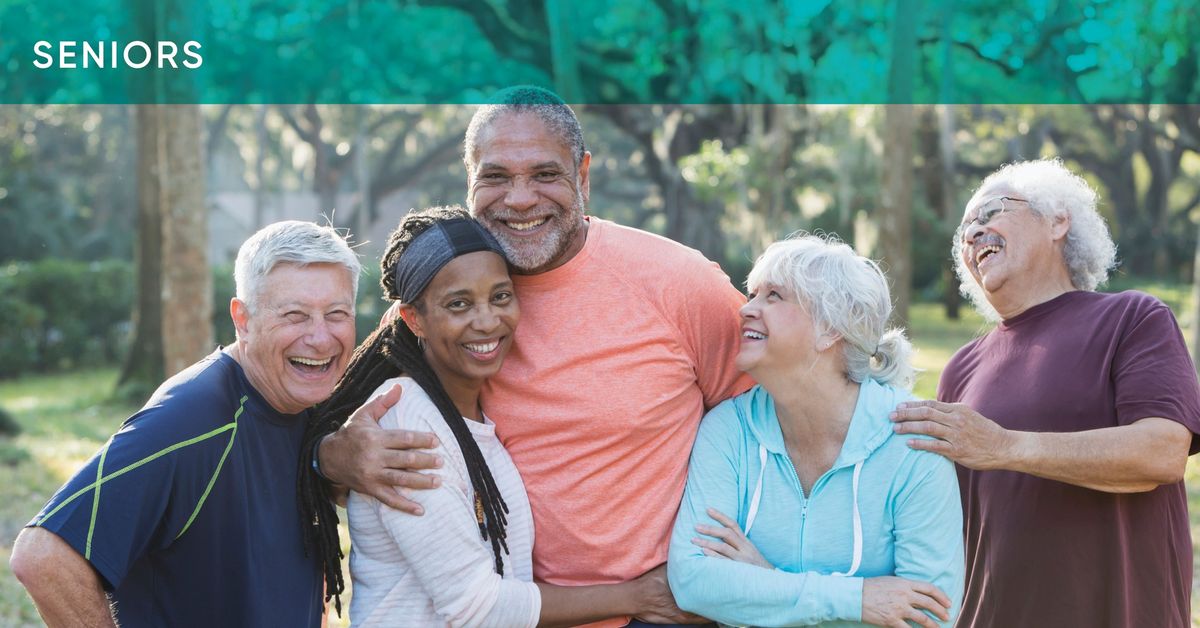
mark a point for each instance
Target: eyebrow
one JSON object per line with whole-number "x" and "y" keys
{"x": 466, "y": 292}
{"x": 538, "y": 166}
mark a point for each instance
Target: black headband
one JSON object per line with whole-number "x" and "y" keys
{"x": 435, "y": 247}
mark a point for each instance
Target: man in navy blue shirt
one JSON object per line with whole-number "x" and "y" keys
{"x": 188, "y": 515}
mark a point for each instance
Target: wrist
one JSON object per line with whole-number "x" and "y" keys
{"x": 315, "y": 457}
{"x": 1015, "y": 450}
{"x": 631, "y": 597}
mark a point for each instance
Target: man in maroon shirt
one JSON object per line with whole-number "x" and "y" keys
{"x": 1071, "y": 421}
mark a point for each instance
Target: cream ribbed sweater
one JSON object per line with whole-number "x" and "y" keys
{"x": 436, "y": 570}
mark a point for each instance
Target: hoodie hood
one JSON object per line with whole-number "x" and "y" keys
{"x": 869, "y": 425}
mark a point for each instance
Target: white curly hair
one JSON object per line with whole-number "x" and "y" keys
{"x": 1051, "y": 190}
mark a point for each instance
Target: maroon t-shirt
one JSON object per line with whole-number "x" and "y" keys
{"x": 1046, "y": 553}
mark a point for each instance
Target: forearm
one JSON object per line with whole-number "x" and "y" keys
{"x": 65, "y": 589}
{"x": 738, "y": 593}
{"x": 1125, "y": 459}
{"x": 572, "y": 606}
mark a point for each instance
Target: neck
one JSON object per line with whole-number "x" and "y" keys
{"x": 463, "y": 391}
{"x": 814, "y": 407}
{"x": 1015, "y": 302}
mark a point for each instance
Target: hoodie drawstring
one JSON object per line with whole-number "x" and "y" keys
{"x": 762, "y": 470}
{"x": 858, "y": 533}
{"x": 858, "y": 542}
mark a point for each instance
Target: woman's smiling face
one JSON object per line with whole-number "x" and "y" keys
{"x": 467, "y": 317}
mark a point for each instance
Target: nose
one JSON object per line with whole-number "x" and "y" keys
{"x": 520, "y": 194}
{"x": 486, "y": 319}
{"x": 972, "y": 231}
{"x": 320, "y": 335}
{"x": 750, "y": 309}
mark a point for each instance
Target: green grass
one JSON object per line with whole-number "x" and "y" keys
{"x": 65, "y": 418}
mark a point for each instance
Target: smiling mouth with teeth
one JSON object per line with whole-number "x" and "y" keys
{"x": 753, "y": 335}
{"x": 526, "y": 226}
{"x": 311, "y": 365}
{"x": 486, "y": 347}
{"x": 985, "y": 253}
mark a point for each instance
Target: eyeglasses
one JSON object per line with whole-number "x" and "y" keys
{"x": 988, "y": 211}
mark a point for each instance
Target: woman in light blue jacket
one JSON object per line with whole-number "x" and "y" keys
{"x": 802, "y": 506}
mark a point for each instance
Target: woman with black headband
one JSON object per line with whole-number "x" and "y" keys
{"x": 467, "y": 561}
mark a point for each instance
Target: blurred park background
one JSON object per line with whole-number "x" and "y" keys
{"x": 119, "y": 224}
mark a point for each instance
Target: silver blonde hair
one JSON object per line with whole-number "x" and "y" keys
{"x": 844, "y": 293}
{"x": 289, "y": 242}
{"x": 1052, "y": 191}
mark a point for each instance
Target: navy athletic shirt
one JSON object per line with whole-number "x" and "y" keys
{"x": 189, "y": 512}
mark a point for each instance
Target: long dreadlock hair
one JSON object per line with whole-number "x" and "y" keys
{"x": 390, "y": 351}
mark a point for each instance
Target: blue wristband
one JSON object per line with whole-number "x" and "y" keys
{"x": 316, "y": 460}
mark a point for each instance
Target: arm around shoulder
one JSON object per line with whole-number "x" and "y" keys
{"x": 65, "y": 588}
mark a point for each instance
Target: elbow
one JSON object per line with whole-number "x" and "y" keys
{"x": 30, "y": 562}
{"x": 1160, "y": 473}
{"x": 1167, "y": 471}
{"x": 684, "y": 580}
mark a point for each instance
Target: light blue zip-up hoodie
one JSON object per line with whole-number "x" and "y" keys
{"x": 883, "y": 509}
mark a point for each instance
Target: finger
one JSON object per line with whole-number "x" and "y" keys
{"x": 917, "y": 413}
{"x": 721, "y": 549}
{"x": 922, "y": 601}
{"x": 928, "y": 428}
{"x": 724, "y": 520}
{"x": 721, "y": 533}
{"x": 408, "y": 439}
{"x": 394, "y": 500}
{"x": 410, "y": 480}
{"x": 377, "y": 407}
{"x": 935, "y": 446}
{"x": 410, "y": 460}
{"x": 920, "y": 619}
{"x": 929, "y": 590}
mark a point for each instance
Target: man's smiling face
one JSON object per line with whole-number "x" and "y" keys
{"x": 526, "y": 190}
{"x": 297, "y": 341}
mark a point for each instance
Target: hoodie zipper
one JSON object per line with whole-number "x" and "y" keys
{"x": 804, "y": 500}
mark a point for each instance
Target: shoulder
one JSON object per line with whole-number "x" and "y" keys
{"x": 204, "y": 397}
{"x": 1126, "y": 305}
{"x": 643, "y": 253}
{"x": 730, "y": 419}
{"x": 415, "y": 410}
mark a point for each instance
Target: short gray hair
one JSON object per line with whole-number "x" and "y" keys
{"x": 844, "y": 293}
{"x": 289, "y": 242}
{"x": 526, "y": 99}
{"x": 1051, "y": 190}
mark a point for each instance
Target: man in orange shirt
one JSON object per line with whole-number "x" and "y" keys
{"x": 626, "y": 339}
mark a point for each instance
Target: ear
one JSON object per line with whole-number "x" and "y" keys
{"x": 1059, "y": 226}
{"x": 411, "y": 319}
{"x": 585, "y": 186}
{"x": 240, "y": 313}
{"x": 827, "y": 340}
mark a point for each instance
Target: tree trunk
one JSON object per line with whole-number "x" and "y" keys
{"x": 260, "y": 159}
{"x": 186, "y": 281}
{"x": 144, "y": 368}
{"x": 895, "y": 221}
{"x": 1196, "y": 304}
{"x": 174, "y": 288}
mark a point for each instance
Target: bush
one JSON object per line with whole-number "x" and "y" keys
{"x": 8, "y": 424}
{"x": 63, "y": 314}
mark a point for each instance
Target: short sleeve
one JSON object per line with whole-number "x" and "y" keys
{"x": 137, "y": 494}
{"x": 1153, "y": 375}
{"x": 708, "y": 317}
